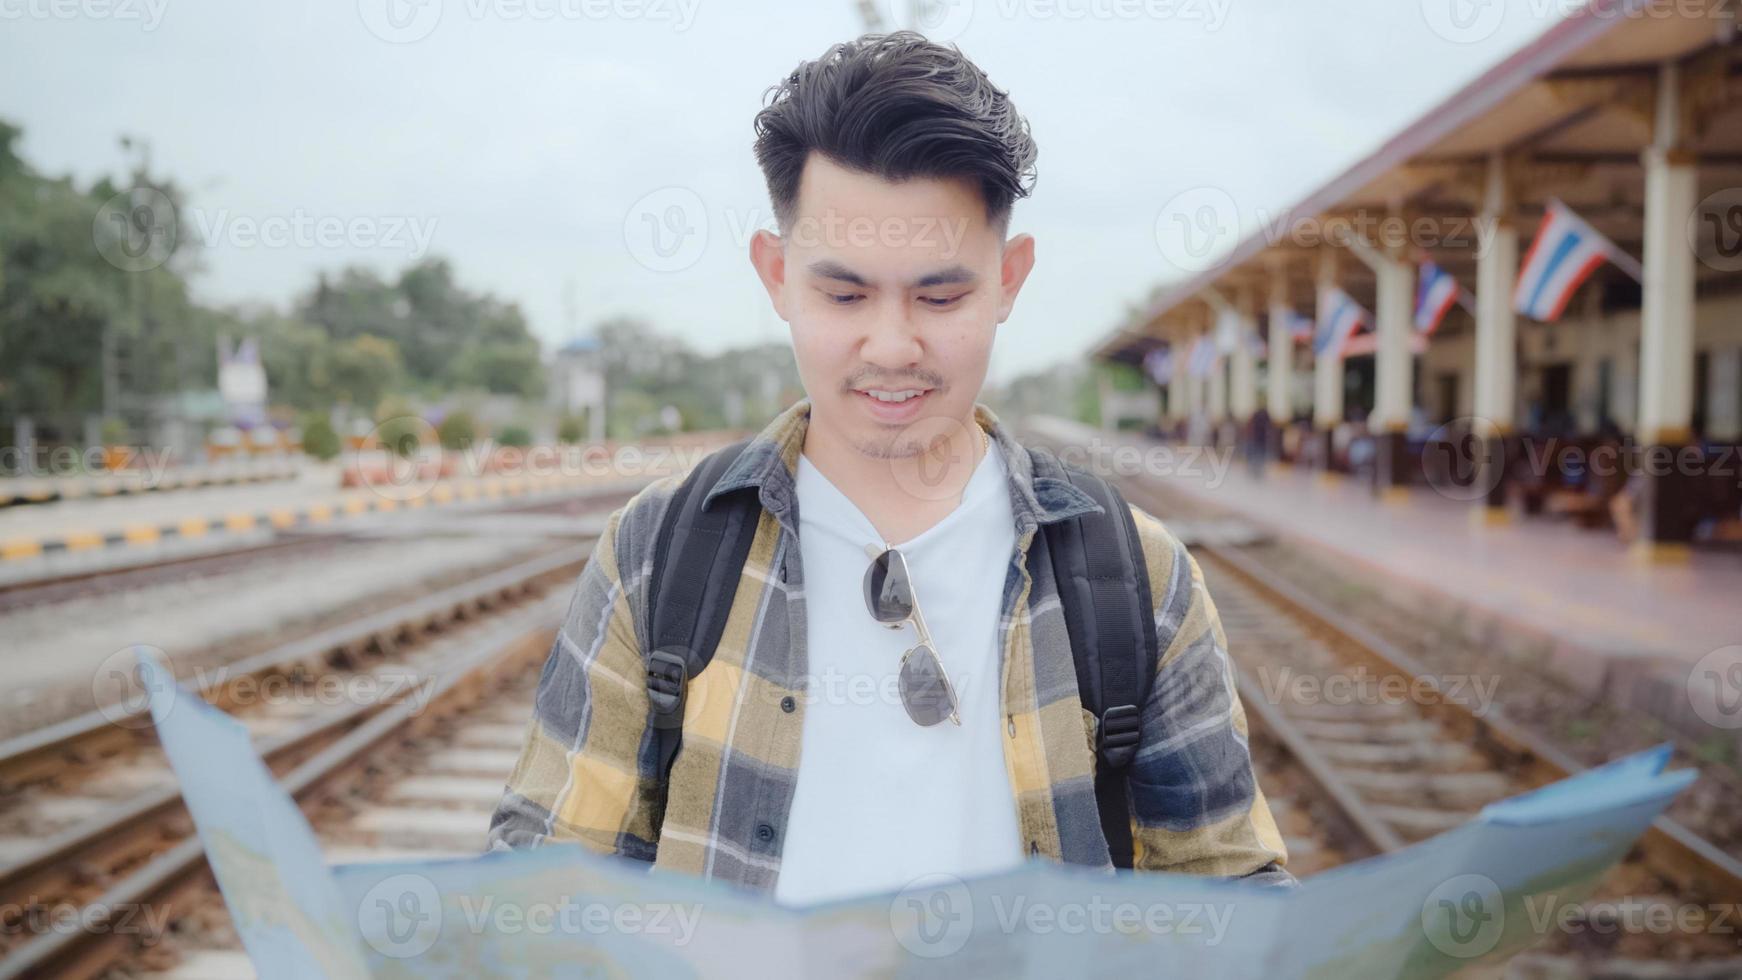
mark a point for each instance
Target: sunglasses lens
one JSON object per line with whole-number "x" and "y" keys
{"x": 888, "y": 594}
{"x": 924, "y": 692}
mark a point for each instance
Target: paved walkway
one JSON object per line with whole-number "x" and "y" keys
{"x": 1578, "y": 585}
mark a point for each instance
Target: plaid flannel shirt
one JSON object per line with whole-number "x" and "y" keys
{"x": 588, "y": 770}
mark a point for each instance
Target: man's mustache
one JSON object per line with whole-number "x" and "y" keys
{"x": 860, "y": 379}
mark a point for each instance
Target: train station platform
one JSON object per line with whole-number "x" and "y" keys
{"x": 155, "y": 478}
{"x": 82, "y": 535}
{"x": 1575, "y": 588}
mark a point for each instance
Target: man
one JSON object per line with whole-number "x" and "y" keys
{"x": 806, "y": 770}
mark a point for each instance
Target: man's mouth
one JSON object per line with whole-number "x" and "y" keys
{"x": 894, "y": 404}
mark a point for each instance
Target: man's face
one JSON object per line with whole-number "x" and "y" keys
{"x": 894, "y": 292}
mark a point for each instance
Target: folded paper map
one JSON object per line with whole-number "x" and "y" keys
{"x": 1468, "y": 896}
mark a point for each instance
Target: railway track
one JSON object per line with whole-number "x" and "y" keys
{"x": 428, "y": 796}
{"x": 1360, "y": 773}
{"x": 1391, "y": 752}
{"x": 92, "y": 821}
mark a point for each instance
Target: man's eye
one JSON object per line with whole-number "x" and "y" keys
{"x": 940, "y": 302}
{"x": 842, "y": 299}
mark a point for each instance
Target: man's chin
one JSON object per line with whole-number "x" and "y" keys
{"x": 889, "y": 445}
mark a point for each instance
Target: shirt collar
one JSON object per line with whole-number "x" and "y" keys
{"x": 769, "y": 463}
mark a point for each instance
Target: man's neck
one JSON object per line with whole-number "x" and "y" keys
{"x": 905, "y": 496}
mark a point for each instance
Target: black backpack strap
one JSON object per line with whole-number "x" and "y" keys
{"x": 698, "y": 556}
{"x": 1103, "y": 583}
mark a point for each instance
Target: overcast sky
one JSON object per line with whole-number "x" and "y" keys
{"x": 536, "y": 143}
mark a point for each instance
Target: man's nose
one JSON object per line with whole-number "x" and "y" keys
{"x": 893, "y": 339}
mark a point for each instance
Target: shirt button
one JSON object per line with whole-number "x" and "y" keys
{"x": 764, "y": 832}
{"x": 787, "y": 704}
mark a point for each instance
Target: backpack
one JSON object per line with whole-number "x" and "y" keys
{"x": 1097, "y": 560}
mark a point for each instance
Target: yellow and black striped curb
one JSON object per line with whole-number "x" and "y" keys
{"x": 130, "y": 482}
{"x": 236, "y": 522}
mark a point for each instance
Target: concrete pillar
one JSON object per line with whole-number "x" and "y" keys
{"x": 1243, "y": 370}
{"x": 1218, "y": 390}
{"x": 1496, "y": 344}
{"x": 1178, "y": 395}
{"x": 1327, "y": 370}
{"x": 1666, "y": 328}
{"x": 1666, "y": 331}
{"x": 1195, "y": 391}
{"x": 1281, "y": 363}
{"x": 1724, "y": 423}
{"x": 1394, "y": 310}
{"x": 1104, "y": 400}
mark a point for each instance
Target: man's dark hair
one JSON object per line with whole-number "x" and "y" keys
{"x": 897, "y": 106}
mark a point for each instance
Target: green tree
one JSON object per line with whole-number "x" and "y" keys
{"x": 364, "y": 369}
{"x": 318, "y": 438}
{"x": 456, "y": 431}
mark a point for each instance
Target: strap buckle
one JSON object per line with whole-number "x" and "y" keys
{"x": 667, "y": 671}
{"x": 1118, "y": 734}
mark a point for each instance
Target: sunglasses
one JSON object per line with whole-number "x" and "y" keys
{"x": 925, "y": 688}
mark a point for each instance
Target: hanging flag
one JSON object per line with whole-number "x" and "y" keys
{"x": 1436, "y": 292}
{"x": 1338, "y": 321}
{"x": 1158, "y": 363}
{"x": 1203, "y": 357}
{"x": 1300, "y": 327}
{"x": 1363, "y": 344}
{"x": 1565, "y": 253}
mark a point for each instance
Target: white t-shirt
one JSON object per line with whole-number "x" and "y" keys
{"x": 881, "y": 800}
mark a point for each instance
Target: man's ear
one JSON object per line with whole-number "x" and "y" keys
{"x": 768, "y": 255}
{"x": 1018, "y": 262}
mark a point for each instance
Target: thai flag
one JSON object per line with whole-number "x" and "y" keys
{"x": 1299, "y": 327}
{"x": 1436, "y": 292}
{"x": 1340, "y": 317}
{"x": 1565, "y": 253}
{"x": 1203, "y": 357}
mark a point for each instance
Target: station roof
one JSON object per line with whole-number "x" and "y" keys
{"x": 1570, "y": 112}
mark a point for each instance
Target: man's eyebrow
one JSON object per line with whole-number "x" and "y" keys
{"x": 830, "y": 269}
